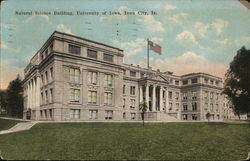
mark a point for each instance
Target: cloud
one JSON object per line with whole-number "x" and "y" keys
{"x": 156, "y": 39}
{"x": 63, "y": 28}
{"x": 187, "y": 35}
{"x": 153, "y": 24}
{"x": 188, "y": 62}
{"x": 169, "y": 7}
{"x": 7, "y": 47}
{"x": 201, "y": 28}
{"x": 218, "y": 25}
{"x": 131, "y": 48}
{"x": 225, "y": 42}
{"x": 177, "y": 17}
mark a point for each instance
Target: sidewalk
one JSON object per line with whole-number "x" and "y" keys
{"x": 19, "y": 127}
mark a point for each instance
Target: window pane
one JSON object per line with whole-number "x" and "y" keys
{"x": 92, "y": 53}
{"x": 108, "y": 57}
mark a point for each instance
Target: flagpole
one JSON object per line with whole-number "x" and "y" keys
{"x": 148, "y": 53}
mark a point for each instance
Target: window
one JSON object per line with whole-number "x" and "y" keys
{"x": 211, "y": 95}
{"x": 211, "y": 82}
{"x": 124, "y": 89}
{"x": 206, "y": 95}
{"x": 74, "y": 95}
{"x": 51, "y": 95}
{"x": 132, "y": 103}
{"x": 74, "y": 49}
{"x": 185, "y": 107}
{"x": 206, "y": 106}
{"x": 41, "y": 97}
{"x": 185, "y": 96}
{"x": 124, "y": 103}
{"x": 184, "y": 117}
{"x": 46, "y": 77}
{"x": 194, "y": 117}
{"x": 42, "y": 57}
{"x": 46, "y": 97}
{"x": 217, "y": 96}
{"x": 51, "y": 48}
{"x": 107, "y": 57}
{"x": 74, "y": 75}
{"x": 46, "y": 52}
{"x": 45, "y": 113}
{"x": 177, "y": 106}
{"x": 92, "y": 77}
{"x": 50, "y": 113}
{"x": 124, "y": 115}
{"x": 176, "y": 82}
{"x": 142, "y": 75}
{"x": 170, "y": 95}
{"x": 75, "y": 114}
{"x": 51, "y": 73}
{"x": 206, "y": 81}
{"x": 92, "y": 97}
{"x": 93, "y": 114}
{"x": 108, "y": 78}
{"x": 108, "y": 98}
{"x": 132, "y": 90}
{"x": 108, "y": 115}
{"x": 42, "y": 79}
{"x": 92, "y": 54}
{"x": 194, "y": 95}
{"x": 216, "y": 83}
{"x": 194, "y": 106}
{"x": 132, "y": 73}
{"x": 177, "y": 95}
{"x": 194, "y": 80}
{"x": 132, "y": 116}
{"x": 211, "y": 107}
{"x": 170, "y": 106}
{"x": 185, "y": 82}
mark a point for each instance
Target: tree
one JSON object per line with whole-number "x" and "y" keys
{"x": 3, "y": 102}
{"x": 14, "y": 98}
{"x": 237, "y": 84}
{"x": 143, "y": 107}
{"x": 208, "y": 115}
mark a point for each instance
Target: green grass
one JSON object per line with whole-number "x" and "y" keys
{"x": 116, "y": 141}
{"x": 6, "y": 124}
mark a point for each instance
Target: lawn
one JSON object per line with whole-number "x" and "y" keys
{"x": 131, "y": 141}
{"x": 6, "y": 124}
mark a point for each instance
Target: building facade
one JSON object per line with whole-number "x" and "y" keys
{"x": 71, "y": 78}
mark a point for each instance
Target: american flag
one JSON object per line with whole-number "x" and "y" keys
{"x": 155, "y": 47}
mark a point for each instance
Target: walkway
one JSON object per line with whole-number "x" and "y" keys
{"x": 19, "y": 127}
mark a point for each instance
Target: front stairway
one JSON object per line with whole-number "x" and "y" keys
{"x": 160, "y": 116}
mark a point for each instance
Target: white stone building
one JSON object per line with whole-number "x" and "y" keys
{"x": 72, "y": 78}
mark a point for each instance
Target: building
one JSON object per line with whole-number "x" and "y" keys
{"x": 72, "y": 78}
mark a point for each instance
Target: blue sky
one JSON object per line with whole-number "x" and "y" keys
{"x": 202, "y": 36}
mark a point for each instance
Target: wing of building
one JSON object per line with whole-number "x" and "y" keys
{"x": 72, "y": 78}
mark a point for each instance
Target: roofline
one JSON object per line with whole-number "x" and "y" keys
{"x": 87, "y": 40}
{"x": 200, "y": 73}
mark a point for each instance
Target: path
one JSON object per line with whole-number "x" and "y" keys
{"x": 19, "y": 127}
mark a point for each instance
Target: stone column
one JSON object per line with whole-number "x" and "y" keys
{"x": 31, "y": 94}
{"x": 147, "y": 94}
{"x": 141, "y": 94}
{"x": 161, "y": 101}
{"x": 38, "y": 91}
{"x": 167, "y": 101}
{"x": 28, "y": 95}
{"x": 153, "y": 98}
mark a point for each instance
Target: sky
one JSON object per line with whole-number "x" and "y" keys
{"x": 201, "y": 36}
